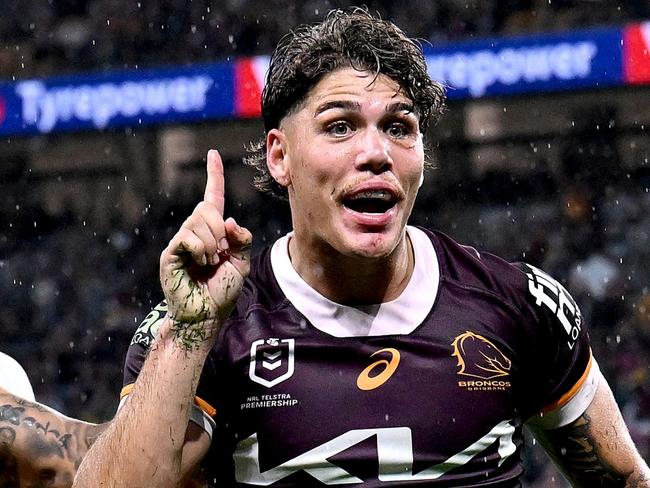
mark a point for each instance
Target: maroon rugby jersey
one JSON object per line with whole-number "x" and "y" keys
{"x": 431, "y": 389}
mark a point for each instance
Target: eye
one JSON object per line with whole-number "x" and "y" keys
{"x": 398, "y": 130}
{"x": 339, "y": 128}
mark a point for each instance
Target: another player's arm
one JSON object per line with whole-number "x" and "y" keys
{"x": 40, "y": 446}
{"x": 596, "y": 450}
{"x": 202, "y": 271}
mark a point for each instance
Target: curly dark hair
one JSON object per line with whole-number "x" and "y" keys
{"x": 345, "y": 38}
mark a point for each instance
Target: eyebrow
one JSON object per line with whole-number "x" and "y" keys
{"x": 342, "y": 104}
{"x": 356, "y": 107}
{"x": 402, "y": 107}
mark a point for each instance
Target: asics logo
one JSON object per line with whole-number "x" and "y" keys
{"x": 367, "y": 381}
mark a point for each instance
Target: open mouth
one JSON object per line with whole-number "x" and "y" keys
{"x": 370, "y": 201}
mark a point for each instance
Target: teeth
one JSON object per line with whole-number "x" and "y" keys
{"x": 378, "y": 194}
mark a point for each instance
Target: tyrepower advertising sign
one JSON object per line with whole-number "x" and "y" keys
{"x": 574, "y": 60}
{"x": 584, "y": 59}
{"x": 41, "y": 106}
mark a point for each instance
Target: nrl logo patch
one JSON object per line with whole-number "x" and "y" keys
{"x": 272, "y": 361}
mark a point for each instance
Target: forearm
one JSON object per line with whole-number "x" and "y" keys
{"x": 40, "y": 445}
{"x": 596, "y": 449}
{"x": 143, "y": 445}
{"x": 202, "y": 272}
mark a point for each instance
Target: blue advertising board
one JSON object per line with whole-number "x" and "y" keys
{"x": 550, "y": 62}
{"x": 585, "y": 59}
{"x": 128, "y": 98}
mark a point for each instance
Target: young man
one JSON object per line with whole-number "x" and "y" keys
{"x": 357, "y": 349}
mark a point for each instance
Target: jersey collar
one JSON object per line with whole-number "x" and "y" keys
{"x": 400, "y": 316}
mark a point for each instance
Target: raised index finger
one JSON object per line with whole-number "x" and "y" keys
{"x": 215, "y": 185}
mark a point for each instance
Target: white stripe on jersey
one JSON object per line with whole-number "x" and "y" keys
{"x": 575, "y": 407}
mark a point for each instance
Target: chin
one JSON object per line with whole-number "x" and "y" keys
{"x": 372, "y": 245}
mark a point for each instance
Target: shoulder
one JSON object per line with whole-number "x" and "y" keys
{"x": 530, "y": 291}
{"x": 470, "y": 268}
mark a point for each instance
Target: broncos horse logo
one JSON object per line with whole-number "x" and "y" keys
{"x": 478, "y": 357}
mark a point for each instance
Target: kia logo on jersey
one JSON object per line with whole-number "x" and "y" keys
{"x": 272, "y": 361}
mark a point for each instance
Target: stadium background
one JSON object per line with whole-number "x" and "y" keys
{"x": 554, "y": 172}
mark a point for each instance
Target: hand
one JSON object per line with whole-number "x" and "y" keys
{"x": 203, "y": 268}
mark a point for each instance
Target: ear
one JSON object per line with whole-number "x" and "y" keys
{"x": 276, "y": 157}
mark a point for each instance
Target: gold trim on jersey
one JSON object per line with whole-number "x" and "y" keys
{"x": 564, "y": 399}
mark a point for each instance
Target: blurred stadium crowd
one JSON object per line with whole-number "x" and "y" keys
{"x": 73, "y": 291}
{"x": 42, "y": 37}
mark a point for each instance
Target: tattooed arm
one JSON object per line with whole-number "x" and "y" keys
{"x": 39, "y": 446}
{"x": 596, "y": 450}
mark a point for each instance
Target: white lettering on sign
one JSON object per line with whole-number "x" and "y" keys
{"x": 46, "y": 107}
{"x": 477, "y": 71}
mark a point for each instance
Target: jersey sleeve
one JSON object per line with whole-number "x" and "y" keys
{"x": 13, "y": 378}
{"x": 202, "y": 413}
{"x": 561, "y": 373}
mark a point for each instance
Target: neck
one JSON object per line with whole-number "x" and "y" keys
{"x": 353, "y": 280}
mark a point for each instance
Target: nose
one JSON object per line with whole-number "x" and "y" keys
{"x": 373, "y": 152}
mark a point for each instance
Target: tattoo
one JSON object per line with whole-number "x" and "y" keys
{"x": 576, "y": 450}
{"x": 11, "y": 414}
{"x": 40, "y": 442}
{"x": 35, "y": 436}
{"x": 27, "y": 404}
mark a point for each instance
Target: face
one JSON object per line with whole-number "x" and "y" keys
{"x": 351, "y": 157}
